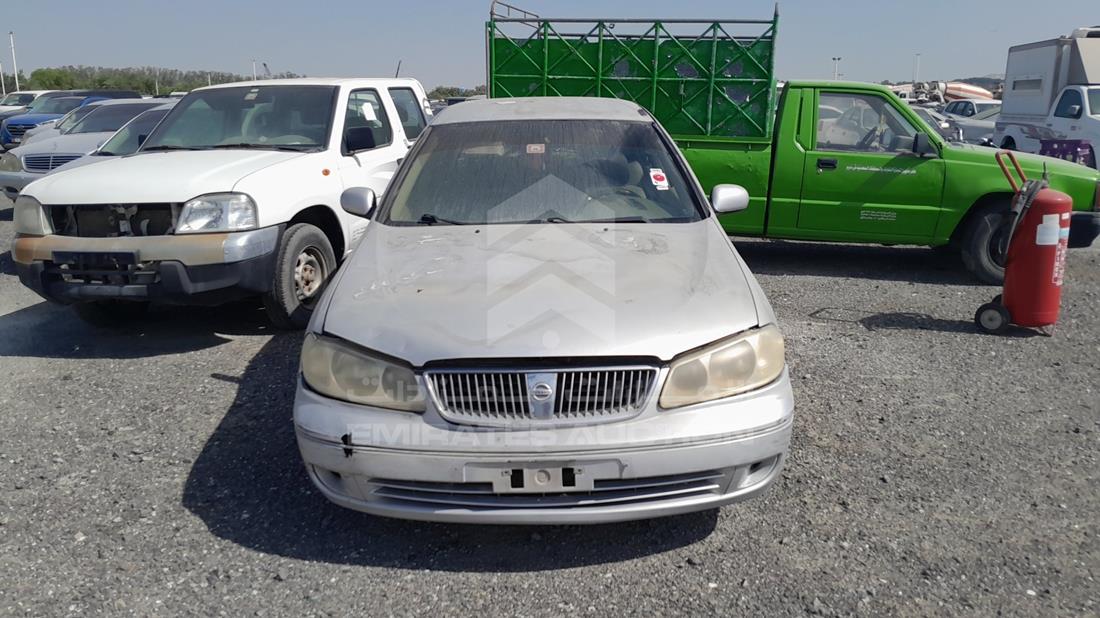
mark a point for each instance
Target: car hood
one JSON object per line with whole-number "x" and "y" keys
{"x": 1031, "y": 163}
{"x": 72, "y": 143}
{"x": 154, "y": 176}
{"x": 32, "y": 118}
{"x": 427, "y": 293}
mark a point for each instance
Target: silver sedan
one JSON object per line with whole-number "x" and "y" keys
{"x": 544, "y": 323}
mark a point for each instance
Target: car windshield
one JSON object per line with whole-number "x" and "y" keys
{"x": 73, "y": 117}
{"x": 1094, "y": 101}
{"x": 128, "y": 138}
{"x": 552, "y": 171}
{"x": 106, "y": 118}
{"x": 16, "y": 98}
{"x": 987, "y": 114}
{"x": 256, "y": 117}
{"x": 60, "y": 105}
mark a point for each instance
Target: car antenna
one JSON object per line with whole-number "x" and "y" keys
{"x": 397, "y": 73}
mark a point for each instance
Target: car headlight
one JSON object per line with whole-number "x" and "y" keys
{"x": 10, "y": 163}
{"x": 217, "y": 212}
{"x": 726, "y": 368}
{"x": 29, "y": 217}
{"x": 338, "y": 370}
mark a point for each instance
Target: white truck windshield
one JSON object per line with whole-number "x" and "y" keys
{"x": 248, "y": 117}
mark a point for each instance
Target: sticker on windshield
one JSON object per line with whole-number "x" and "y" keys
{"x": 536, "y": 148}
{"x": 658, "y": 178}
{"x": 252, "y": 94}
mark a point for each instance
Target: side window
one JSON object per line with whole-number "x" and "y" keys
{"x": 950, "y": 109}
{"x": 868, "y": 124}
{"x": 967, "y": 109}
{"x": 366, "y": 125}
{"x": 1068, "y": 100}
{"x": 409, "y": 110}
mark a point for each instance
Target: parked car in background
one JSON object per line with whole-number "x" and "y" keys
{"x": 441, "y": 380}
{"x": 977, "y": 129}
{"x": 23, "y": 165}
{"x": 19, "y": 100}
{"x": 46, "y": 107}
{"x": 126, "y": 140}
{"x": 53, "y": 128}
{"x": 235, "y": 193}
{"x": 966, "y": 108}
{"x": 1052, "y": 98}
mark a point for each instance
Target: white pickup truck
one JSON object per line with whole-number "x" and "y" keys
{"x": 1052, "y": 98}
{"x": 235, "y": 193}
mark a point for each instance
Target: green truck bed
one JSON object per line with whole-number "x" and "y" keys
{"x": 700, "y": 79}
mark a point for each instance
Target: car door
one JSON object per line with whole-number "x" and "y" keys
{"x": 862, "y": 181}
{"x": 370, "y": 148}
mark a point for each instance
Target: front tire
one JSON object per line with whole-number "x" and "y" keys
{"x": 981, "y": 241}
{"x": 303, "y": 265}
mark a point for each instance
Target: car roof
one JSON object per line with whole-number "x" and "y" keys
{"x": 543, "y": 108}
{"x": 353, "y": 82}
{"x": 123, "y": 102}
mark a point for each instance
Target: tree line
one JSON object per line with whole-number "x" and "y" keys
{"x": 153, "y": 80}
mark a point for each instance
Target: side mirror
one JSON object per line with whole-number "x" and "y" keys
{"x": 922, "y": 145}
{"x": 359, "y": 201}
{"x": 729, "y": 198}
{"x": 1074, "y": 111}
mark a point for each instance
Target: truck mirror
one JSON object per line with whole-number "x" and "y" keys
{"x": 922, "y": 145}
{"x": 359, "y": 201}
{"x": 729, "y": 198}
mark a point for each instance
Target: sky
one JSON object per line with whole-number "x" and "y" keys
{"x": 442, "y": 42}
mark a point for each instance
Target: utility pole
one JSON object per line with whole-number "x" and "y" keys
{"x": 3, "y": 84}
{"x": 836, "y": 67}
{"x": 253, "y": 69}
{"x": 916, "y": 69}
{"x": 14, "y": 65}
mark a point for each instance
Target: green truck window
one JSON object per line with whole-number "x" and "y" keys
{"x": 866, "y": 123}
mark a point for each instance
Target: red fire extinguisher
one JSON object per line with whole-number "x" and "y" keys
{"x": 1036, "y": 233}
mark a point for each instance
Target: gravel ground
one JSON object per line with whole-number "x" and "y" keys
{"x": 934, "y": 470}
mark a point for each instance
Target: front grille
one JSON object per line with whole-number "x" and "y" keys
{"x": 519, "y": 398}
{"x": 113, "y": 220}
{"x": 17, "y": 130}
{"x": 609, "y": 492}
{"x": 47, "y": 162}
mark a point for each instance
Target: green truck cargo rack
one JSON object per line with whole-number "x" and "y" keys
{"x": 701, "y": 79}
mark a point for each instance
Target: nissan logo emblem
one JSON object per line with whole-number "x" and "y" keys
{"x": 541, "y": 391}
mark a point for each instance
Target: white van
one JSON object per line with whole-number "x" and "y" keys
{"x": 235, "y": 193}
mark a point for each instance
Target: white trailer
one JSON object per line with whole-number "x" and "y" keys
{"x": 1051, "y": 102}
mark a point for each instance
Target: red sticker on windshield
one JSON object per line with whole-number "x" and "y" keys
{"x": 658, "y": 178}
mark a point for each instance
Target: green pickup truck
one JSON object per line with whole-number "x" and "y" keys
{"x": 823, "y": 161}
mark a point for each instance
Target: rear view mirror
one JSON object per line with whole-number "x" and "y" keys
{"x": 141, "y": 139}
{"x": 359, "y": 201}
{"x": 729, "y": 198}
{"x": 922, "y": 145}
{"x": 1074, "y": 111}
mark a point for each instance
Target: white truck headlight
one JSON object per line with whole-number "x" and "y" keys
{"x": 338, "y": 370}
{"x": 10, "y": 163}
{"x": 30, "y": 217}
{"x": 217, "y": 212}
{"x": 726, "y": 368}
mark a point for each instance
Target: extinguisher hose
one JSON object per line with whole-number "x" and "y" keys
{"x": 1020, "y": 205}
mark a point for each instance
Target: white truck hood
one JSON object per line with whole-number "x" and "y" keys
{"x": 542, "y": 290}
{"x": 154, "y": 177}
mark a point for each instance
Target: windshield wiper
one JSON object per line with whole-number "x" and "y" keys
{"x": 251, "y": 146}
{"x": 168, "y": 147}
{"x": 631, "y": 219}
{"x": 430, "y": 219}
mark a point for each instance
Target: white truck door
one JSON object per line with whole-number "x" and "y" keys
{"x": 1065, "y": 122}
{"x": 371, "y": 147}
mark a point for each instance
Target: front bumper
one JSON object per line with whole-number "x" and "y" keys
{"x": 1084, "y": 228}
{"x": 200, "y": 269}
{"x": 11, "y": 183}
{"x": 663, "y": 462}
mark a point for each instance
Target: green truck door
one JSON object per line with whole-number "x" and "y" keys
{"x": 861, "y": 180}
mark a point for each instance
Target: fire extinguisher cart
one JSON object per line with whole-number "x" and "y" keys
{"x": 1033, "y": 249}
